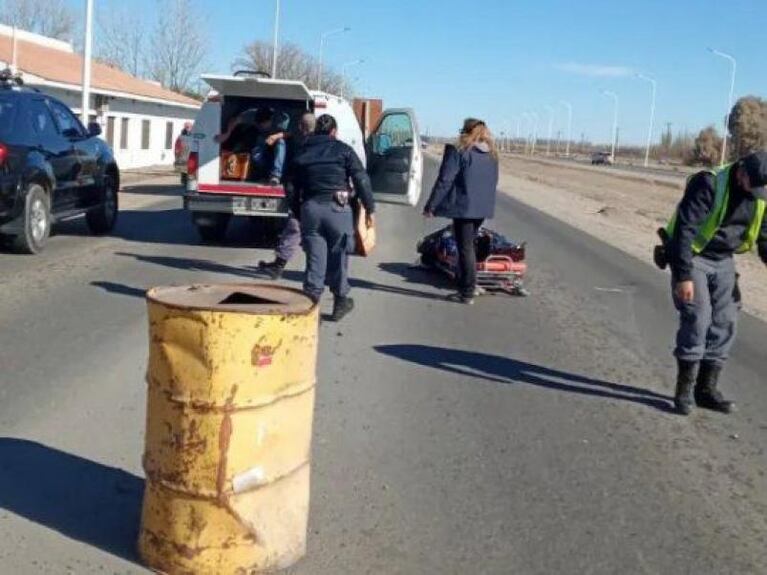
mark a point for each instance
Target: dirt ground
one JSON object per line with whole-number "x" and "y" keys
{"x": 621, "y": 209}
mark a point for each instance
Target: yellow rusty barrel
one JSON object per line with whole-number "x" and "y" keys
{"x": 229, "y": 420}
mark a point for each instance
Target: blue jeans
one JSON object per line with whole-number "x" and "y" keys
{"x": 272, "y": 164}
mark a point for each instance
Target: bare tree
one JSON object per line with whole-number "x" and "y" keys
{"x": 178, "y": 45}
{"x": 121, "y": 40}
{"x": 294, "y": 63}
{"x": 748, "y": 126}
{"x": 52, "y": 18}
{"x": 706, "y": 149}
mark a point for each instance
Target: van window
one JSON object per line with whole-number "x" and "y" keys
{"x": 395, "y": 131}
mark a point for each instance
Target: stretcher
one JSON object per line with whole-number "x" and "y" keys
{"x": 501, "y": 265}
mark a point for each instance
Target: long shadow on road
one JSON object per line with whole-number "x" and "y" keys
{"x": 510, "y": 371}
{"x": 81, "y": 499}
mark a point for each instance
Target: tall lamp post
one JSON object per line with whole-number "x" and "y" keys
{"x": 614, "y": 96}
{"x": 729, "y": 100}
{"x": 276, "y": 38}
{"x": 569, "y": 107}
{"x": 88, "y": 49}
{"x": 535, "y": 132}
{"x": 654, "y": 86}
{"x": 526, "y": 118}
{"x": 323, "y": 38}
{"x": 551, "y": 129}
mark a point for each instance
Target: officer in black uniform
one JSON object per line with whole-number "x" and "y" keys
{"x": 322, "y": 172}
{"x": 722, "y": 213}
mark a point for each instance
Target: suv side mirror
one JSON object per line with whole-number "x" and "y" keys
{"x": 94, "y": 129}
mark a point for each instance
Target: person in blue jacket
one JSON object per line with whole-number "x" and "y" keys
{"x": 465, "y": 192}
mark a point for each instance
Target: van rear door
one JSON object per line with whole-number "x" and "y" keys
{"x": 395, "y": 159}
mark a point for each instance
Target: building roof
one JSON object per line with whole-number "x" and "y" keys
{"x": 56, "y": 62}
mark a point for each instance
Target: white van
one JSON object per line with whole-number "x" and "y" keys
{"x": 392, "y": 154}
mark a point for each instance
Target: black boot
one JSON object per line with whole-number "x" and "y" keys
{"x": 707, "y": 395}
{"x": 685, "y": 380}
{"x": 341, "y": 308}
{"x": 273, "y": 269}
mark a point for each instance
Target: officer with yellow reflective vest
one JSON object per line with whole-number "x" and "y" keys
{"x": 721, "y": 214}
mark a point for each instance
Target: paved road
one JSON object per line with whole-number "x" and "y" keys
{"x": 518, "y": 436}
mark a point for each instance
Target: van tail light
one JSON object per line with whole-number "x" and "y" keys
{"x": 192, "y": 165}
{"x": 3, "y": 154}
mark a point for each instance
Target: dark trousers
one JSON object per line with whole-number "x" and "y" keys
{"x": 465, "y": 231}
{"x": 327, "y": 231}
{"x": 707, "y": 325}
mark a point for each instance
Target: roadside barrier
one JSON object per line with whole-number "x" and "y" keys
{"x": 231, "y": 377}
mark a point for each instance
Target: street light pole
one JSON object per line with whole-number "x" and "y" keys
{"x": 535, "y": 132}
{"x": 276, "y": 38}
{"x": 324, "y": 37}
{"x": 526, "y": 118}
{"x": 729, "y": 101}
{"x": 551, "y": 130}
{"x": 569, "y": 125}
{"x": 86, "y": 88}
{"x": 654, "y": 85}
{"x": 614, "y": 96}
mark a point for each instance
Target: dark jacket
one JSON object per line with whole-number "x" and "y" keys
{"x": 696, "y": 205}
{"x": 324, "y": 166}
{"x": 466, "y": 185}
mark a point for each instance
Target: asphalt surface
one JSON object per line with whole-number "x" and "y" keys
{"x": 515, "y": 436}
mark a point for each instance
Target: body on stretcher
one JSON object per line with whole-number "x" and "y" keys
{"x": 500, "y": 263}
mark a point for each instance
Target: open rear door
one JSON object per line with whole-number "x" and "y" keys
{"x": 395, "y": 159}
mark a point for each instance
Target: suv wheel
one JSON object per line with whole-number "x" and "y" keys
{"x": 102, "y": 219}
{"x": 36, "y": 225}
{"x": 211, "y": 227}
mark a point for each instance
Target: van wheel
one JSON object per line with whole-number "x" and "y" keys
{"x": 211, "y": 227}
{"x": 36, "y": 225}
{"x": 102, "y": 219}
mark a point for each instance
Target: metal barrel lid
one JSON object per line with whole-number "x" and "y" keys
{"x": 251, "y": 298}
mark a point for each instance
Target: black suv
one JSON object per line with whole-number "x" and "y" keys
{"x": 51, "y": 168}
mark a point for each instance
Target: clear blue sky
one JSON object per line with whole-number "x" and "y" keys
{"x": 499, "y": 58}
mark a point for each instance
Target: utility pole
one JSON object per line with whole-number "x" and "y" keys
{"x": 86, "y": 87}
{"x": 276, "y": 38}
{"x": 729, "y": 101}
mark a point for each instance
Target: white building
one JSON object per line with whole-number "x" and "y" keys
{"x": 140, "y": 119}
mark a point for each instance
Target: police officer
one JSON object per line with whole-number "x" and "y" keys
{"x": 721, "y": 214}
{"x": 290, "y": 237}
{"x": 323, "y": 170}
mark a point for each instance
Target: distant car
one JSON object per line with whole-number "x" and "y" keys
{"x": 51, "y": 168}
{"x": 601, "y": 158}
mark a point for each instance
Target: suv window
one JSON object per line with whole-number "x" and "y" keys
{"x": 69, "y": 125}
{"x": 42, "y": 122}
{"x": 8, "y": 109}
